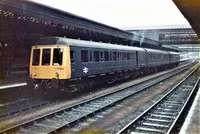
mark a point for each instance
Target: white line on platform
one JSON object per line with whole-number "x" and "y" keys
{"x": 13, "y": 85}
{"x": 190, "y": 114}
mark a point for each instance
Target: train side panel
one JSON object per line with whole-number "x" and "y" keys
{"x": 157, "y": 57}
{"x": 174, "y": 58}
{"x": 91, "y": 61}
{"x": 142, "y": 59}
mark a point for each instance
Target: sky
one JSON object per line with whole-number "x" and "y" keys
{"x": 122, "y": 13}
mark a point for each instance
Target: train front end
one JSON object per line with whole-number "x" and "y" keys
{"x": 49, "y": 64}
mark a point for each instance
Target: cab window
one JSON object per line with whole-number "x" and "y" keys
{"x": 46, "y": 56}
{"x": 36, "y": 57}
{"x": 57, "y": 56}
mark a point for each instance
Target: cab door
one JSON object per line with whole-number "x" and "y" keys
{"x": 73, "y": 61}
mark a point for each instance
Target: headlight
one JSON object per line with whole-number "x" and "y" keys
{"x": 57, "y": 74}
{"x": 34, "y": 74}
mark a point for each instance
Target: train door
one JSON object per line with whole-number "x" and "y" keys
{"x": 73, "y": 61}
{"x": 84, "y": 68}
{"x": 146, "y": 57}
{"x": 136, "y": 57}
{"x": 101, "y": 61}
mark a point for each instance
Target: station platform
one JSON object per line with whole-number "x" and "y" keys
{"x": 12, "y": 82}
{"x": 192, "y": 122}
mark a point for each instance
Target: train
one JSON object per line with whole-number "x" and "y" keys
{"x": 63, "y": 64}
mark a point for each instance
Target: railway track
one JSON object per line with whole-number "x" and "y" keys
{"x": 22, "y": 105}
{"x": 66, "y": 117}
{"x": 161, "y": 117}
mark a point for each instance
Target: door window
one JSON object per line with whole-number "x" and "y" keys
{"x": 72, "y": 56}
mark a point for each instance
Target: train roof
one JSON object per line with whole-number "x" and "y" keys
{"x": 82, "y": 43}
{"x": 156, "y": 51}
{"x": 173, "y": 52}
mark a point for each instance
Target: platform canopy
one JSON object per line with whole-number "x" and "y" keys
{"x": 24, "y": 21}
{"x": 191, "y": 11}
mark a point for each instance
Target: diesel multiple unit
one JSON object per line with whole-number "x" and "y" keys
{"x": 69, "y": 64}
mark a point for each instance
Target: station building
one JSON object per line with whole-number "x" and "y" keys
{"x": 182, "y": 37}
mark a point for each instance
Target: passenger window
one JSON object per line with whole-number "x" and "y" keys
{"x": 36, "y": 57}
{"x": 72, "y": 56}
{"x": 106, "y": 56}
{"x": 114, "y": 56}
{"x": 128, "y": 56}
{"x": 101, "y": 55}
{"x": 133, "y": 56}
{"x": 111, "y": 55}
{"x": 96, "y": 56}
{"x": 125, "y": 56}
{"x": 57, "y": 56}
{"x": 118, "y": 56}
{"x": 84, "y": 56}
{"x": 122, "y": 56}
{"x": 46, "y": 56}
{"x": 150, "y": 55}
{"x": 90, "y": 56}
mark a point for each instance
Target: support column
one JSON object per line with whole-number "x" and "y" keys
{"x": 3, "y": 58}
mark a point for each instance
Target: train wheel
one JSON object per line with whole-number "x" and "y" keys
{"x": 72, "y": 88}
{"x": 110, "y": 81}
